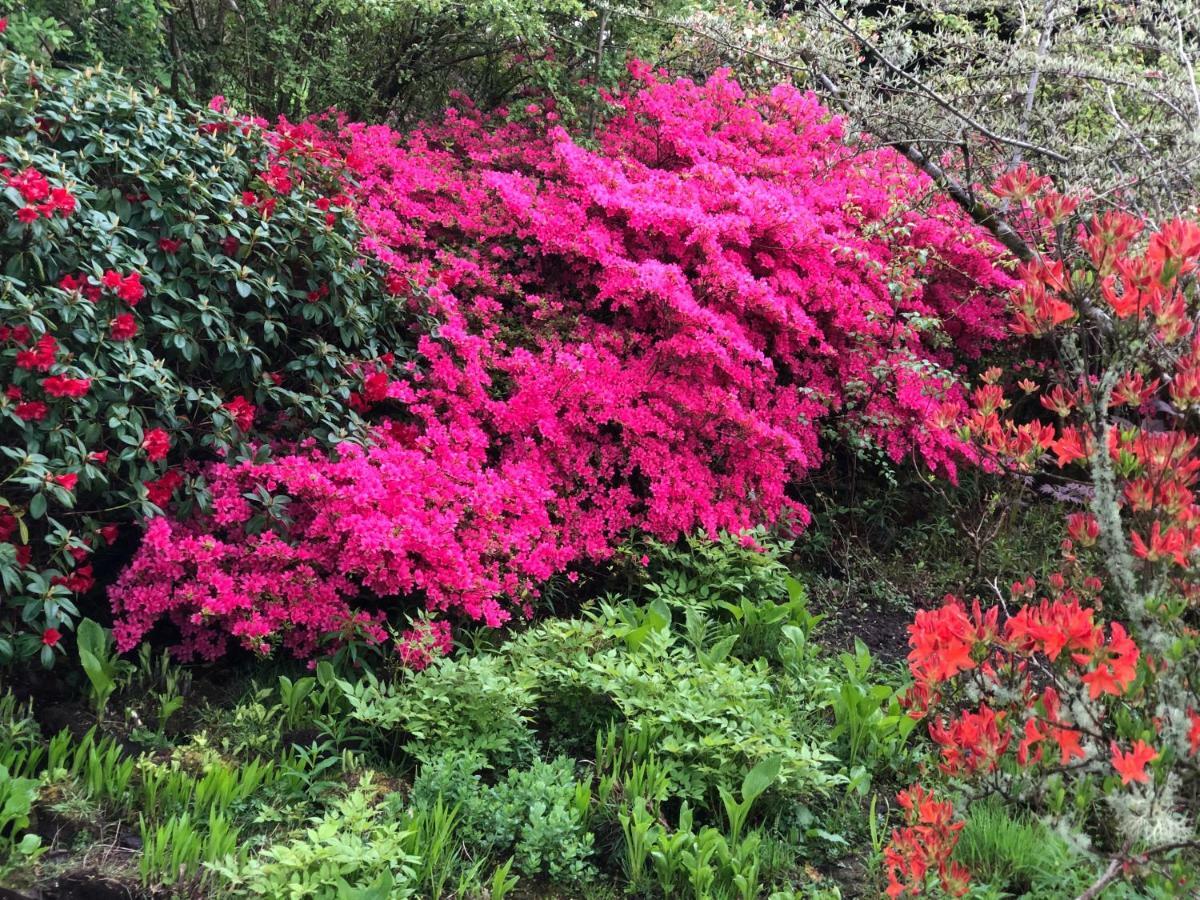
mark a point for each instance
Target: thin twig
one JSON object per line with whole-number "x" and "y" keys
{"x": 1118, "y": 863}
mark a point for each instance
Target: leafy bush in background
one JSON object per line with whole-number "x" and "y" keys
{"x": 176, "y": 287}
{"x": 395, "y": 60}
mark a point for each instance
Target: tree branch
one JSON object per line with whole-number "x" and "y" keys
{"x": 1117, "y": 865}
{"x": 873, "y": 52}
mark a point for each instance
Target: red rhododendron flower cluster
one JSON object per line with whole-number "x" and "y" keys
{"x": 650, "y": 334}
{"x": 127, "y": 287}
{"x": 63, "y": 386}
{"x": 157, "y": 444}
{"x": 40, "y": 357}
{"x": 242, "y": 411}
{"x": 41, "y": 199}
{"x": 123, "y": 327}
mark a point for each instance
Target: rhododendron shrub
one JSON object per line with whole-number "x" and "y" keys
{"x": 654, "y": 331}
{"x": 1095, "y": 724}
{"x": 175, "y": 288}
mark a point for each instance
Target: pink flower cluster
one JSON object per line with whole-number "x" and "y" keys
{"x": 420, "y": 645}
{"x": 651, "y": 334}
{"x": 393, "y": 519}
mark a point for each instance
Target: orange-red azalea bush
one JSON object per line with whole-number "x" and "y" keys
{"x": 1038, "y": 698}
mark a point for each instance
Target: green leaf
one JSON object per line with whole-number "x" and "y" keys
{"x": 760, "y": 778}
{"x": 720, "y": 650}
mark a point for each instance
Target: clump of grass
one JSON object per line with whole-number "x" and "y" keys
{"x": 1012, "y": 852}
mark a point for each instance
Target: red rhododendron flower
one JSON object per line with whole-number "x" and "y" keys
{"x": 72, "y": 283}
{"x": 123, "y": 327}
{"x": 169, "y": 245}
{"x": 51, "y": 636}
{"x": 62, "y": 386}
{"x": 31, "y": 410}
{"x": 161, "y": 489}
{"x": 66, "y": 481}
{"x": 62, "y": 201}
{"x": 27, "y": 214}
{"x": 375, "y": 387}
{"x": 41, "y": 358}
{"x": 78, "y": 582}
{"x": 30, "y": 184}
{"x": 242, "y": 412}
{"x": 156, "y": 443}
{"x": 131, "y": 289}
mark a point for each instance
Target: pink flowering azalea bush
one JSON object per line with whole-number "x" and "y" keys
{"x": 656, "y": 330}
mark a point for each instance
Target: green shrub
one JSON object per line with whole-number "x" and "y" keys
{"x": 454, "y": 779}
{"x": 22, "y": 747}
{"x": 729, "y": 569}
{"x": 546, "y": 811}
{"x": 130, "y": 34}
{"x": 16, "y": 801}
{"x": 239, "y": 275}
{"x": 710, "y": 716}
{"x": 537, "y": 814}
{"x": 353, "y": 847}
{"x": 476, "y": 704}
{"x": 177, "y": 849}
{"x": 304, "y": 56}
{"x": 733, "y": 589}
